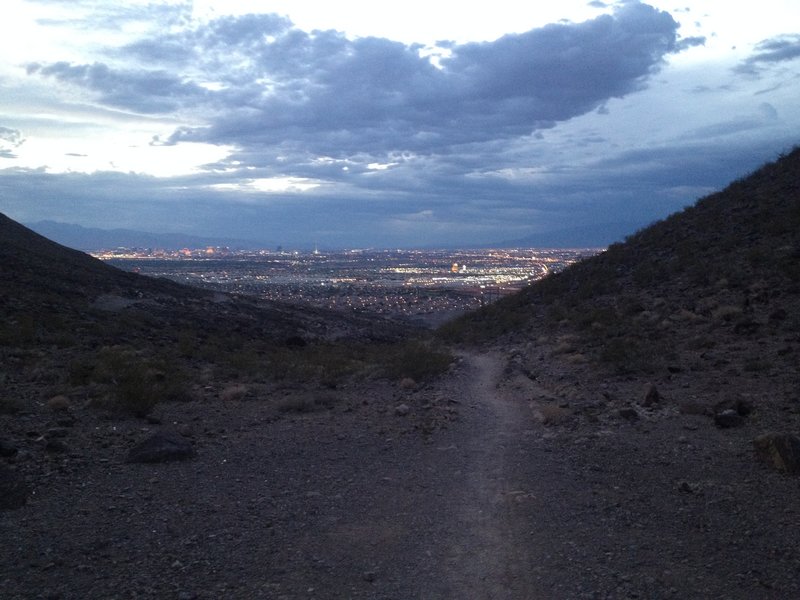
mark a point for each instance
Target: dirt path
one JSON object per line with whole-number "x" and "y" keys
{"x": 487, "y": 559}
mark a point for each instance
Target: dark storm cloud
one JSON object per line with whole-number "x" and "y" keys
{"x": 767, "y": 52}
{"x": 145, "y": 91}
{"x": 263, "y": 84}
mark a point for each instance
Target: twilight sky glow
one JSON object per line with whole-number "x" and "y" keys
{"x": 354, "y": 124}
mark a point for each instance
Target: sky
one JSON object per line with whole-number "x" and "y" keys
{"x": 379, "y": 124}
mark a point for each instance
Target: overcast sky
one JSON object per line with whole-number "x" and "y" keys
{"x": 355, "y": 123}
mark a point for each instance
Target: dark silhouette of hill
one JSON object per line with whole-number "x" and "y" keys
{"x": 717, "y": 282}
{"x": 32, "y": 265}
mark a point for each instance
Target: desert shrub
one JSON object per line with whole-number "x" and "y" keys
{"x": 135, "y": 385}
{"x": 415, "y": 360}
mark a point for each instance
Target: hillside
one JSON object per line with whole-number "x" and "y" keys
{"x": 716, "y": 286}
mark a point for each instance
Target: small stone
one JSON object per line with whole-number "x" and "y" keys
{"x": 369, "y": 576}
{"x": 57, "y": 432}
{"x": 58, "y": 403}
{"x": 152, "y": 420}
{"x": 727, "y": 419}
{"x": 402, "y": 410}
{"x": 407, "y": 383}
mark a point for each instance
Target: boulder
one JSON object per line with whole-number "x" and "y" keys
{"x": 780, "y": 450}
{"x": 162, "y": 446}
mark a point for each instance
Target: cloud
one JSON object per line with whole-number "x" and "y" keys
{"x": 145, "y": 91}
{"x": 10, "y": 139}
{"x": 263, "y": 85}
{"x": 772, "y": 51}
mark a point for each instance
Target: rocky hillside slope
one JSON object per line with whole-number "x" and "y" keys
{"x": 716, "y": 286}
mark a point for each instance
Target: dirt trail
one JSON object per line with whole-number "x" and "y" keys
{"x": 486, "y": 560}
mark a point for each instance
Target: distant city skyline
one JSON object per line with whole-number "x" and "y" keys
{"x": 388, "y": 125}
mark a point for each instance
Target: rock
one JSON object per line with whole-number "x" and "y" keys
{"x": 651, "y": 396}
{"x": 13, "y": 491}
{"x": 369, "y": 576}
{"x": 57, "y": 432}
{"x": 402, "y": 410}
{"x": 727, "y": 419}
{"x": 407, "y": 383}
{"x": 58, "y": 403}
{"x": 162, "y": 446}
{"x": 780, "y": 450}
{"x": 629, "y": 414}
{"x": 740, "y": 405}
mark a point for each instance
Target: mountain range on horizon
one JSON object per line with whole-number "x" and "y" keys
{"x": 90, "y": 239}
